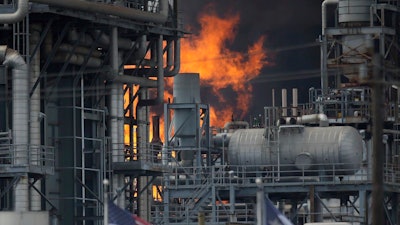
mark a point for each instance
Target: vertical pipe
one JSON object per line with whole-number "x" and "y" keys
{"x": 261, "y": 217}
{"x": 377, "y": 132}
{"x": 324, "y": 69}
{"x": 20, "y": 119}
{"x": 273, "y": 97}
{"x": 284, "y": 102}
{"x": 231, "y": 198}
{"x": 105, "y": 200}
{"x": 83, "y": 172}
{"x": 117, "y": 151}
{"x": 295, "y": 101}
{"x": 34, "y": 128}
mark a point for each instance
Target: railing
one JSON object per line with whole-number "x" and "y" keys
{"x": 145, "y": 5}
{"x": 272, "y": 175}
{"x": 35, "y": 158}
{"x": 151, "y": 154}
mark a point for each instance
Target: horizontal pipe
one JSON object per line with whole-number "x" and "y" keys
{"x": 320, "y": 118}
{"x": 126, "y": 79}
{"x": 114, "y": 10}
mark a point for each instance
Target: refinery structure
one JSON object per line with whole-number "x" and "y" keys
{"x": 78, "y": 79}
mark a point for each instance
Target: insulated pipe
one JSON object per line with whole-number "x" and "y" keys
{"x": 320, "y": 118}
{"x": 35, "y": 114}
{"x": 160, "y": 77}
{"x": 323, "y": 12}
{"x": 18, "y": 15}
{"x": 20, "y": 129}
{"x": 104, "y": 41}
{"x": 114, "y": 10}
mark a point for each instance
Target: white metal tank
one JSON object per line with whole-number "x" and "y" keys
{"x": 299, "y": 146}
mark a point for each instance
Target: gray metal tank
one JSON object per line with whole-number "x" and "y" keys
{"x": 351, "y": 11}
{"x": 299, "y": 146}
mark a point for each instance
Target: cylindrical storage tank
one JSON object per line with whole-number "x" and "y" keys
{"x": 300, "y": 147}
{"x": 354, "y": 11}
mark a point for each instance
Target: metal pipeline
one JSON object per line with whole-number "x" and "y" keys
{"x": 323, "y": 12}
{"x": 104, "y": 41}
{"x": 177, "y": 60}
{"x": 320, "y": 118}
{"x": 35, "y": 113}
{"x": 113, "y": 10}
{"x": 160, "y": 77}
{"x": 17, "y": 15}
{"x": 20, "y": 112}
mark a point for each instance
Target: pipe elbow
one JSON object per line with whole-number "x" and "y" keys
{"x": 17, "y": 15}
{"x": 14, "y": 59}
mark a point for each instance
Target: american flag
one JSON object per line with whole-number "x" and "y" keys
{"x": 118, "y": 216}
{"x": 273, "y": 216}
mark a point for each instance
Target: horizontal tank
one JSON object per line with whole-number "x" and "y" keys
{"x": 299, "y": 146}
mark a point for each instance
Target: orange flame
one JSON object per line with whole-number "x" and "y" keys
{"x": 221, "y": 68}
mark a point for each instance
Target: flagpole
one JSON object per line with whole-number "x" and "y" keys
{"x": 260, "y": 202}
{"x": 105, "y": 200}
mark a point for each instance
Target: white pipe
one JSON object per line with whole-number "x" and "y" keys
{"x": 20, "y": 111}
{"x": 117, "y": 115}
{"x": 320, "y": 118}
{"x": 313, "y": 118}
{"x": 113, "y": 10}
{"x": 323, "y": 12}
{"x": 16, "y": 16}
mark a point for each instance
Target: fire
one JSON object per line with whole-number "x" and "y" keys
{"x": 220, "y": 68}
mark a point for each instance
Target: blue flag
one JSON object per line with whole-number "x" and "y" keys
{"x": 118, "y": 216}
{"x": 273, "y": 216}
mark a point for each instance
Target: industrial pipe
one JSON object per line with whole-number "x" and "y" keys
{"x": 17, "y": 15}
{"x": 177, "y": 60}
{"x": 323, "y": 12}
{"x": 126, "y": 79}
{"x": 20, "y": 109}
{"x": 35, "y": 113}
{"x": 320, "y": 118}
{"x": 160, "y": 77}
{"x": 104, "y": 41}
{"x": 114, "y": 10}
